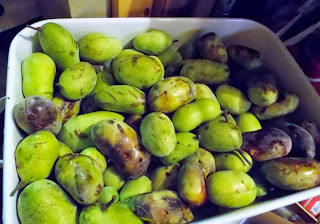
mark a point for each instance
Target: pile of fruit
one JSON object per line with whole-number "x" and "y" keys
{"x": 144, "y": 138}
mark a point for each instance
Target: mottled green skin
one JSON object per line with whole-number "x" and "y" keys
{"x": 278, "y": 109}
{"x": 77, "y": 81}
{"x": 231, "y": 189}
{"x": 137, "y": 70}
{"x": 247, "y": 122}
{"x": 122, "y": 98}
{"x": 206, "y": 72}
{"x": 43, "y": 201}
{"x": 81, "y": 176}
{"x": 76, "y": 132}
{"x": 38, "y": 73}
{"x": 187, "y": 144}
{"x": 98, "y": 47}
{"x": 191, "y": 184}
{"x": 190, "y": 116}
{"x": 212, "y": 48}
{"x": 204, "y": 159}
{"x": 59, "y": 44}
{"x": 108, "y": 193}
{"x": 152, "y": 42}
{"x": 40, "y": 149}
{"x": 95, "y": 154}
{"x": 64, "y": 149}
{"x": 159, "y": 141}
{"x": 104, "y": 79}
{"x": 171, "y": 93}
{"x": 117, "y": 213}
{"x": 232, "y": 100}
{"x": 290, "y": 173}
{"x": 219, "y": 135}
{"x": 165, "y": 177}
{"x": 169, "y": 57}
{"x": 262, "y": 90}
{"x": 67, "y": 108}
{"x": 233, "y": 161}
{"x": 113, "y": 178}
{"x": 204, "y": 92}
{"x": 121, "y": 144}
{"x": 134, "y": 187}
{"x": 162, "y": 207}
{"x": 37, "y": 113}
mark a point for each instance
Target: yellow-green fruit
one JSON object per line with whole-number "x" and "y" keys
{"x": 59, "y": 44}
{"x": 67, "y": 108}
{"x": 64, "y": 149}
{"x": 134, "y": 121}
{"x": 280, "y": 108}
{"x": 128, "y": 52}
{"x": 169, "y": 57}
{"x": 95, "y": 154}
{"x": 204, "y": 159}
{"x": 165, "y": 177}
{"x": 232, "y": 100}
{"x": 157, "y": 134}
{"x": 134, "y": 187}
{"x": 233, "y": 161}
{"x": 152, "y": 42}
{"x": 219, "y": 135}
{"x": 43, "y": 201}
{"x": 76, "y": 132}
{"x": 247, "y": 122}
{"x": 191, "y": 184}
{"x": 37, "y": 113}
{"x": 137, "y": 70}
{"x": 108, "y": 194}
{"x": 81, "y": 176}
{"x": 113, "y": 178}
{"x": 98, "y": 47}
{"x": 121, "y": 144}
{"x": 187, "y": 144}
{"x": 117, "y": 213}
{"x": 212, "y": 48}
{"x": 121, "y": 98}
{"x": 231, "y": 189}
{"x": 291, "y": 173}
{"x": 162, "y": 207}
{"x": 104, "y": 79}
{"x": 38, "y": 72}
{"x": 40, "y": 149}
{"x": 77, "y": 81}
{"x": 171, "y": 93}
{"x": 204, "y": 92}
{"x": 190, "y": 116}
{"x": 205, "y": 71}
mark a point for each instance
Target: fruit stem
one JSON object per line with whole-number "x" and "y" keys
{"x": 243, "y": 156}
{"x": 19, "y": 186}
{"x": 104, "y": 207}
{"x": 225, "y": 115}
{"x": 34, "y": 28}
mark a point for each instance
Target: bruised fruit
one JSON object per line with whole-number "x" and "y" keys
{"x": 204, "y": 159}
{"x": 67, "y": 108}
{"x": 244, "y": 57}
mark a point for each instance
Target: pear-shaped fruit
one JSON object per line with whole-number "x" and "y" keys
{"x": 204, "y": 159}
{"x": 38, "y": 72}
{"x": 40, "y": 149}
{"x": 98, "y": 47}
{"x": 247, "y": 122}
{"x": 220, "y": 135}
{"x": 117, "y": 213}
{"x": 81, "y": 176}
{"x": 240, "y": 161}
{"x": 95, "y": 154}
{"x": 108, "y": 194}
{"x": 43, "y": 201}
{"x": 138, "y": 186}
{"x": 59, "y": 44}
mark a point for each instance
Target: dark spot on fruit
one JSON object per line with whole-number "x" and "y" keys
{"x": 31, "y": 117}
{"x": 111, "y": 121}
{"x": 71, "y": 53}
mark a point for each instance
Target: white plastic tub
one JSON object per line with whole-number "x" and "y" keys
{"x": 238, "y": 31}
